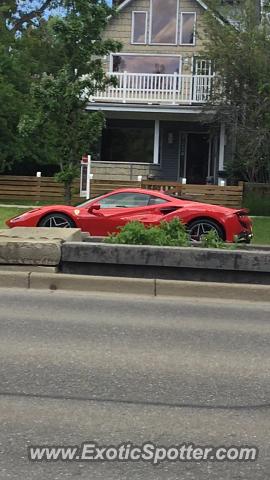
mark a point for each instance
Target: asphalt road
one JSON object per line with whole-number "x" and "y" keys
{"x": 114, "y": 369}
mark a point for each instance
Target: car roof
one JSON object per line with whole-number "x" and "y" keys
{"x": 156, "y": 193}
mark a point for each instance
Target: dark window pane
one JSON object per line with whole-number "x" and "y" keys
{"x": 156, "y": 201}
{"x": 187, "y": 28}
{"x": 128, "y": 141}
{"x": 139, "y": 27}
{"x": 145, "y": 64}
{"x": 164, "y": 19}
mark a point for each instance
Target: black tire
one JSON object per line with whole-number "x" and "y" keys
{"x": 57, "y": 220}
{"x": 201, "y": 227}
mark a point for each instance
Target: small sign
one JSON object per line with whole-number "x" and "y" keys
{"x": 85, "y": 176}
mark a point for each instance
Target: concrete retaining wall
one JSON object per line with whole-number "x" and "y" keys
{"x": 34, "y": 246}
{"x": 196, "y": 264}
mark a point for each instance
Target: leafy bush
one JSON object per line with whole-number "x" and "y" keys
{"x": 170, "y": 234}
{"x": 212, "y": 240}
{"x": 167, "y": 234}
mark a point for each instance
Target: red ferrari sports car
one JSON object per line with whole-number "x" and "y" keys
{"x": 105, "y": 214}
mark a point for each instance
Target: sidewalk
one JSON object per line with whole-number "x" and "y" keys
{"x": 48, "y": 280}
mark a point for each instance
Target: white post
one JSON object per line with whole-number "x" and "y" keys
{"x": 221, "y": 182}
{"x": 156, "y": 143}
{"x": 193, "y": 85}
{"x": 38, "y": 174}
{"x": 88, "y": 189}
{"x": 175, "y": 75}
{"x": 124, "y": 87}
{"x": 221, "y": 147}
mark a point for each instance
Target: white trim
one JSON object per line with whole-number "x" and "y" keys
{"x": 160, "y": 109}
{"x": 200, "y": 2}
{"x": 150, "y": 26}
{"x": 181, "y": 29}
{"x": 121, "y": 54}
{"x": 127, "y": 2}
{"x": 122, "y": 163}
{"x": 156, "y": 144}
{"x": 145, "y": 27}
{"x": 221, "y": 147}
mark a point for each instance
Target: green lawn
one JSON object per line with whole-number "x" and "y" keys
{"x": 8, "y": 212}
{"x": 261, "y": 225}
{"x": 261, "y": 229}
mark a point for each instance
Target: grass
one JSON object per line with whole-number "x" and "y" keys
{"x": 8, "y": 212}
{"x": 261, "y": 226}
{"x": 257, "y": 204}
{"x": 261, "y": 229}
{"x": 31, "y": 203}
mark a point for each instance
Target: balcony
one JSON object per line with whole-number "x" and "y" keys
{"x": 145, "y": 88}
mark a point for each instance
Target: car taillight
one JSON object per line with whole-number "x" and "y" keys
{"x": 244, "y": 218}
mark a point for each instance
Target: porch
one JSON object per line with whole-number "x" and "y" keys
{"x": 180, "y": 151}
{"x": 146, "y": 88}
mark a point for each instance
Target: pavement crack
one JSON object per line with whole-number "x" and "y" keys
{"x": 142, "y": 403}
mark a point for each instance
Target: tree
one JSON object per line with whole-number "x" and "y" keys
{"x": 24, "y": 55}
{"x": 11, "y": 96}
{"x": 241, "y": 55}
{"x": 75, "y": 72}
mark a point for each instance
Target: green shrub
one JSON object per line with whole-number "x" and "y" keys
{"x": 212, "y": 240}
{"x": 170, "y": 234}
{"x": 167, "y": 234}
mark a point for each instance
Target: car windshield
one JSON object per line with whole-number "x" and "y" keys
{"x": 128, "y": 199}
{"x": 84, "y": 204}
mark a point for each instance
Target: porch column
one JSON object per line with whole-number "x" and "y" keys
{"x": 156, "y": 143}
{"x": 221, "y": 147}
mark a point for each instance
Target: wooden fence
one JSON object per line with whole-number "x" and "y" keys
{"x": 228, "y": 196}
{"x": 46, "y": 189}
{"x": 34, "y": 189}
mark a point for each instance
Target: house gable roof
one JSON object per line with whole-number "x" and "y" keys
{"x": 220, "y": 18}
{"x": 127, "y": 2}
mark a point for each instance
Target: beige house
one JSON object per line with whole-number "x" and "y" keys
{"x": 157, "y": 119}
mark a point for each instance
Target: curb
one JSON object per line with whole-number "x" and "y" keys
{"x": 14, "y": 279}
{"x": 83, "y": 283}
{"x": 136, "y": 286}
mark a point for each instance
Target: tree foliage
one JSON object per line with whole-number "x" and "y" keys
{"x": 241, "y": 55}
{"x": 60, "y": 59}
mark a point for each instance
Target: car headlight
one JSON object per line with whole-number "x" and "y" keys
{"x": 20, "y": 217}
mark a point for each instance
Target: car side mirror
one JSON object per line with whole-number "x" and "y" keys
{"x": 93, "y": 208}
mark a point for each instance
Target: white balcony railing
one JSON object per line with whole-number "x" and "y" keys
{"x": 157, "y": 88}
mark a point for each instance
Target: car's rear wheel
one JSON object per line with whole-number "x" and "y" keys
{"x": 57, "y": 220}
{"x": 200, "y": 227}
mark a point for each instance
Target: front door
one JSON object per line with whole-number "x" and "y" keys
{"x": 197, "y": 158}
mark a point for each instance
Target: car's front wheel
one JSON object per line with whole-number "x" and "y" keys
{"x": 57, "y": 220}
{"x": 198, "y": 228}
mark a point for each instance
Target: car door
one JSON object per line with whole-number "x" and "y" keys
{"x": 117, "y": 209}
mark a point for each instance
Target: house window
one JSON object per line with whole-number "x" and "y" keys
{"x": 128, "y": 141}
{"x": 146, "y": 64}
{"x": 202, "y": 67}
{"x": 139, "y": 27}
{"x": 163, "y": 25}
{"x": 187, "y": 29}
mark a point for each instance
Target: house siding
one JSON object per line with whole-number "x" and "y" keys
{"x": 181, "y": 124}
{"x": 120, "y": 28}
